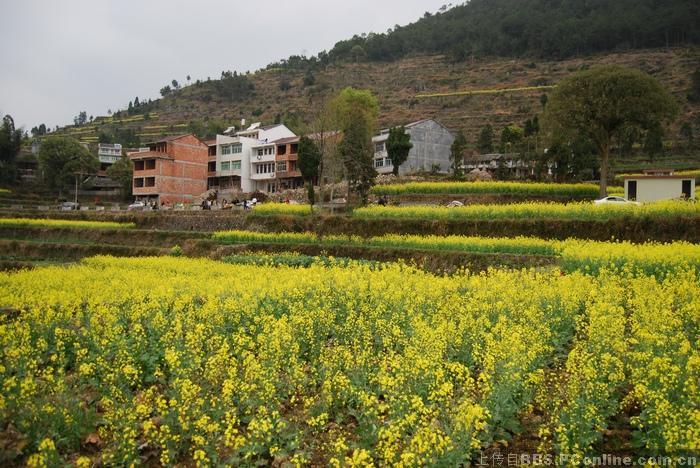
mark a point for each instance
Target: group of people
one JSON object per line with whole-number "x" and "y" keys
{"x": 226, "y": 205}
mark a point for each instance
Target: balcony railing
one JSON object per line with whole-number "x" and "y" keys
{"x": 262, "y": 158}
{"x": 288, "y": 174}
{"x": 263, "y": 176}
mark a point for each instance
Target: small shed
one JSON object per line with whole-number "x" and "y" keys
{"x": 659, "y": 184}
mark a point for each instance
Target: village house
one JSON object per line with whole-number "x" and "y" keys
{"x": 431, "y": 149}
{"x": 173, "y": 170}
{"x": 247, "y": 160}
{"x": 510, "y": 165}
{"x": 108, "y": 154}
{"x": 659, "y": 184}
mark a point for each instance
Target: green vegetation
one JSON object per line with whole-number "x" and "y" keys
{"x": 398, "y": 145}
{"x": 10, "y": 143}
{"x": 64, "y": 160}
{"x": 495, "y": 187}
{"x": 356, "y": 113}
{"x": 309, "y": 162}
{"x": 122, "y": 171}
{"x": 516, "y": 28}
{"x": 602, "y": 103}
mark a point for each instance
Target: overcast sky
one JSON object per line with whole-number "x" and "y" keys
{"x": 63, "y": 56}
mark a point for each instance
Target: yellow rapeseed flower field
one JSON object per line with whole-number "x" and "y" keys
{"x": 62, "y": 223}
{"x": 575, "y": 254}
{"x": 195, "y": 362}
{"x": 495, "y": 187}
{"x": 558, "y": 211}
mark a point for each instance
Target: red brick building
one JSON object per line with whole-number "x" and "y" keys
{"x": 287, "y": 156}
{"x": 173, "y": 170}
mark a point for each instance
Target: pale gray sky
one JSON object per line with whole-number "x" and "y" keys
{"x": 63, "y": 56}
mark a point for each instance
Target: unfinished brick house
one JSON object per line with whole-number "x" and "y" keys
{"x": 173, "y": 170}
{"x": 288, "y": 173}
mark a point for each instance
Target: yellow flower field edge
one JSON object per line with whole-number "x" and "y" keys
{"x": 494, "y": 187}
{"x": 207, "y": 363}
{"x": 266, "y": 209}
{"x": 651, "y": 258}
{"x": 518, "y": 245}
{"x": 62, "y": 223}
{"x": 4, "y": 190}
{"x": 558, "y": 211}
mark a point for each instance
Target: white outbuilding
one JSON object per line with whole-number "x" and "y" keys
{"x": 659, "y": 184}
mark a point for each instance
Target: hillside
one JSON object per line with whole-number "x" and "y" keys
{"x": 552, "y": 29}
{"x": 404, "y": 88}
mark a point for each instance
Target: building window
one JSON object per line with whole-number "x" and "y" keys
{"x": 138, "y": 165}
{"x": 138, "y": 182}
{"x": 150, "y": 182}
{"x": 379, "y": 147}
{"x": 282, "y": 149}
{"x": 268, "y": 168}
{"x": 379, "y": 163}
{"x": 387, "y": 162}
{"x": 294, "y": 148}
{"x": 150, "y": 164}
{"x": 211, "y": 166}
{"x": 282, "y": 166}
{"x": 226, "y": 166}
{"x": 236, "y": 148}
{"x": 226, "y": 150}
{"x": 235, "y": 165}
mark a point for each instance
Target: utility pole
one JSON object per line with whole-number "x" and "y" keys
{"x": 77, "y": 178}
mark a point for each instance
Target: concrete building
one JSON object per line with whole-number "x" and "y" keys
{"x": 659, "y": 184}
{"x": 431, "y": 148}
{"x": 510, "y": 165}
{"x": 247, "y": 160}
{"x": 173, "y": 170}
{"x": 108, "y": 154}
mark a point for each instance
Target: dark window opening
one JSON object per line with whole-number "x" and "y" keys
{"x": 138, "y": 182}
{"x": 685, "y": 189}
{"x": 138, "y": 165}
{"x": 632, "y": 189}
{"x": 150, "y": 182}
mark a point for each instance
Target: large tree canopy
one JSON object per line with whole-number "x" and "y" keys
{"x": 356, "y": 112}
{"x": 309, "y": 162}
{"x": 62, "y": 158}
{"x": 602, "y": 102}
{"x": 10, "y": 139}
{"x": 398, "y": 145}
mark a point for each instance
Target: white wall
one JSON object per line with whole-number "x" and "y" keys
{"x": 247, "y": 143}
{"x": 276, "y": 133}
{"x": 653, "y": 189}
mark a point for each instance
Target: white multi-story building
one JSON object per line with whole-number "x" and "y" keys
{"x": 431, "y": 148}
{"x": 246, "y": 160}
{"x": 108, "y": 154}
